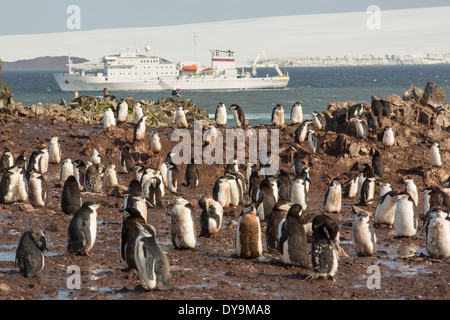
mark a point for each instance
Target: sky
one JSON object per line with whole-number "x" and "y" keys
{"x": 50, "y": 16}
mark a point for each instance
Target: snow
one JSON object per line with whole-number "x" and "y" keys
{"x": 409, "y": 31}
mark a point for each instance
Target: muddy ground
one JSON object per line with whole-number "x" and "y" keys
{"x": 212, "y": 271}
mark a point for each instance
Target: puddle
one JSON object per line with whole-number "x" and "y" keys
{"x": 399, "y": 269}
{"x": 401, "y": 251}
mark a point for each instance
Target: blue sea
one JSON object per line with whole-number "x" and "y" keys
{"x": 314, "y": 87}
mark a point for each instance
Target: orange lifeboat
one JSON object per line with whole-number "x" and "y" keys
{"x": 191, "y": 68}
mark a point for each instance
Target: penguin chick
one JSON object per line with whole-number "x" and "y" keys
{"x": 155, "y": 143}
{"x": 30, "y": 253}
{"x": 248, "y": 234}
{"x": 437, "y": 233}
{"x": 364, "y": 238}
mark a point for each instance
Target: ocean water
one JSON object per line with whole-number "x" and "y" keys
{"x": 314, "y": 87}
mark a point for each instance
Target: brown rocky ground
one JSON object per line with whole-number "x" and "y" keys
{"x": 212, "y": 271}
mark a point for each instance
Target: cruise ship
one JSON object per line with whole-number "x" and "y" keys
{"x": 131, "y": 71}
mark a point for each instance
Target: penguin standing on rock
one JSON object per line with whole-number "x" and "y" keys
{"x": 278, "y": 115}
{"x": 248, "y": 234}
{"x": 183, "y": 232}
{"x": 238, "y": 115}
{"x": 54, "y": 151}
{"x": 7, "y": 160}
{"x": 361, "y": 129}
{"x": 253, "y": 186}
{"x": 108, "y": 119}
{"x": 163, "y": 168}
{"x": 388, "y": 137}
{"x": 406, "y": 217}
{"x": 333, "y": 197}
{"x": 151, "y": 260}
{"x": 324, "y": 247}
{"x": 296, "y": 113}
{"x": 139, "y": 129}
{"x": 30, "y": 253}
{"x": 293, "y": 243}
{"x": 138, "y": 113}
{"x": 435, "y": 155}
{"x": 129, "y": 233}
{"x": 364, "y": 238}
{"x": 71, "y": 196}
{"x": 301, "y": 132}
{"x": 37, "y": 189}
{"x": 122, "y": 111}
{"x": 313, "y": 142}
{"x": 297, "y": 164}
{"x": 43, "y": 160}
{"x": 126, "y": 160}
{"x": 83, "y": 229}
{"x": 180, "y": 118}
{"x": 211, "y": 217}
{"x": 155, "y": 143}
{"x": 318, "y": 120}
{"x": 221, "y": 116}
{"x": 437, "y": 233}
{"x": 377, "y": 164}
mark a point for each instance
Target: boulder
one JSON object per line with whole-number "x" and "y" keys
{"x": 434, "y": 95}
{"x": 413, "y": 93}
{"x": 6, "y": 92}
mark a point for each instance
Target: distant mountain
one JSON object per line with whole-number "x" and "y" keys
{"x": 42, "y": 63}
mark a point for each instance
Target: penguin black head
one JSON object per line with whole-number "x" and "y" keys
{"x": 91, "y": 205}
{"x": 38, "y": 238}
{"x": 131, "y": 212}
{"x": 295, "y": 210}
{"x": 147, "y": 231}
{"x": 324, "y": 227}
{"x": 202, "y": 202}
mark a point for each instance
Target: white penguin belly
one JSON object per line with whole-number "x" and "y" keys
{"x": 385, "y": 212}
{"x": 362, "y": 239}
{"x": 404, "y": 220}
{"x": 93, "y": 230}
{"x": 141, "y": 263}
{"x": 234, "y": 193}
{"x": 185, "y": 228}
{"x": 35, "y": 193}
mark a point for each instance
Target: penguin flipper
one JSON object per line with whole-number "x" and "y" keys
{"x": 283, "y": 237}
{"x": 150, "y": 261}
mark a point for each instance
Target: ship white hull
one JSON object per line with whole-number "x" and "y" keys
{"x": 78, "y": 82}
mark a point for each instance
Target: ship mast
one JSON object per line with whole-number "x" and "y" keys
{"x": 197, "y": 58}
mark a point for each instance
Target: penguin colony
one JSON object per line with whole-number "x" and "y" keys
{"x": 296, "y": 234}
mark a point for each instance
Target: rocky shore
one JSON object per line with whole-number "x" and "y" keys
{"x": 212, "y": 270}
